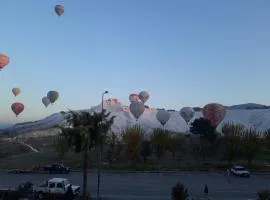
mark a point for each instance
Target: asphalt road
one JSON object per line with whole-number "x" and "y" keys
{"x": 144, "y": 186}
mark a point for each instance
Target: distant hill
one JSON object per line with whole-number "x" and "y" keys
{"x": 246, "y": 106}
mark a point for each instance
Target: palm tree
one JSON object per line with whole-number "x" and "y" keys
{"x": 88, "y": 131}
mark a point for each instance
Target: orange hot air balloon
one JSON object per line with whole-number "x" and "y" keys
{"x": 17, "y": 108}
{"x": 214, "y": 112}
{"x": 4, "y": 60}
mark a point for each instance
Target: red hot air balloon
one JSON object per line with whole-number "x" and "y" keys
{"x": 17, "y": 108}
{"x": 214, "y": 112}
{"x": 134, "y": 98}
{"x": 4, "y": 60}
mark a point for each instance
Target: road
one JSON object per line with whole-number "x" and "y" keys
{"x": 151, "y": 186}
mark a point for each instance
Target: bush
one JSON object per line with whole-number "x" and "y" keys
{"x": 264, "y": 194}
{"x": 179, "y": 192}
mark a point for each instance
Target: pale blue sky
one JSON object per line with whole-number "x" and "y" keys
{"x": 184, "y": 53}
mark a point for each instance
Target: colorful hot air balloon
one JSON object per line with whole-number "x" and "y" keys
{"x": 59, "y": 9}
{"x": 163, "y": 116}
{"x": 46, "y": 101}
{"x": 187, "y": 113}
{"x": 134, "y": 98}
{"x": 144, "y": 96}
{"x": 137, "y": 109}
{"x": 16, "y": 91}
{"x": 17, "y": 108}
{"x": 53, "y": 96}
{"x": 214, "y": 112}
{"x": 4, "y": 61}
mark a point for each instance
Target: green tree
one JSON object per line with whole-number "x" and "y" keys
{"x": 251, "y": 144}
{"x": 132, "y": 139}
{"x": 61, "y": 146}
{"x": 266, "y": 140}
{"x": 177, "y": 146}
{"x": 111, "y": 141}
{"x": 160, "y": 140}
{"x": 88, "y": 131}
{"x": 203, "y": 128}
{"x": 232, "y": 139}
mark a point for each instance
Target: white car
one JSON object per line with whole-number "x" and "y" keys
{"x": 55, "y": 186}
{"x": 240, "y": 171}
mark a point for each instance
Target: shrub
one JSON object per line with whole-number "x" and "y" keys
{"x": 263, "y": 194}
{"x": 179, "y": 192}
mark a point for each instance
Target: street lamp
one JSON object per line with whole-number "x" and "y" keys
{"x": 100, "y": 150}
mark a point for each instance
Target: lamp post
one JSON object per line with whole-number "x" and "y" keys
{"x": 100, "y": 150}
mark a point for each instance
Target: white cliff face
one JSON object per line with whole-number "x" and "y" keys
{"x": 259, "y": 119}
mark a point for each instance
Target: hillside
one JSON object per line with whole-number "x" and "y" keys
{"x": 250, "y": 115}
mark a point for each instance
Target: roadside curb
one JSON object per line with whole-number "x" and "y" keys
{"x": 151, "y": 172}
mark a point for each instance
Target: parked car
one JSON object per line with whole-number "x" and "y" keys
{"x": 55, "y": 186}
{"x": 56, "y": 169}
{"x": 240, "y": 171}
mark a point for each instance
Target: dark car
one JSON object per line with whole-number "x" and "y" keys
{"x": 56, "y": 169}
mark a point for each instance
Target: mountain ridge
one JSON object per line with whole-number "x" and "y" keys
{"x": 250, "y": 114}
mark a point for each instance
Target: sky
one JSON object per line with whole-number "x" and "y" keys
{"x": 183, "y": 52}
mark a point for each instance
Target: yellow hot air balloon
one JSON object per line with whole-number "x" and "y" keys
{"x": 16, "y": 91}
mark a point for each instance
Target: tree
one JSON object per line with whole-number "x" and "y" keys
{"x": 61, "y": 146}
{"x": 266, "y": 140}
{"x": 203, "y": 128}
{"x": 88, "y": 131}
{"x": 160, "y": 141}
{"x": 232, "y": 139}
{"x": 251, "y": 144}
{"x": 132, "y": 138}
{"x": 179, "y": 192}
{"x": 146, "y": 150}
{"x": 111, "y": 140}
{"x": 176, "y": 146}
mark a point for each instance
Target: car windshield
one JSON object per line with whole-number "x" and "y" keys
{"x": 240, "y": 168}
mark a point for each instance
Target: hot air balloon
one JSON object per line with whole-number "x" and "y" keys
{"x": 163, "y": 116}
{"x": 214, "y": 112}
{"x": 16, "y": 91}
{"x": 46, "y": 101}
{"x": 17, "y": 108}
{"x": 4, "y": 60}
{"x": 59, "y": 9}
{"x": 187, "y": 113}
{"x": 52, "y": 96}
{"x": 137, "y": 109}
{"x": 144, "y": 96}
{"x": 134, "y": 98}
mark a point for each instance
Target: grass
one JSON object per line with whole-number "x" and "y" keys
{"x": 29, "y": 160}
{"x": 17, "y": 156}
